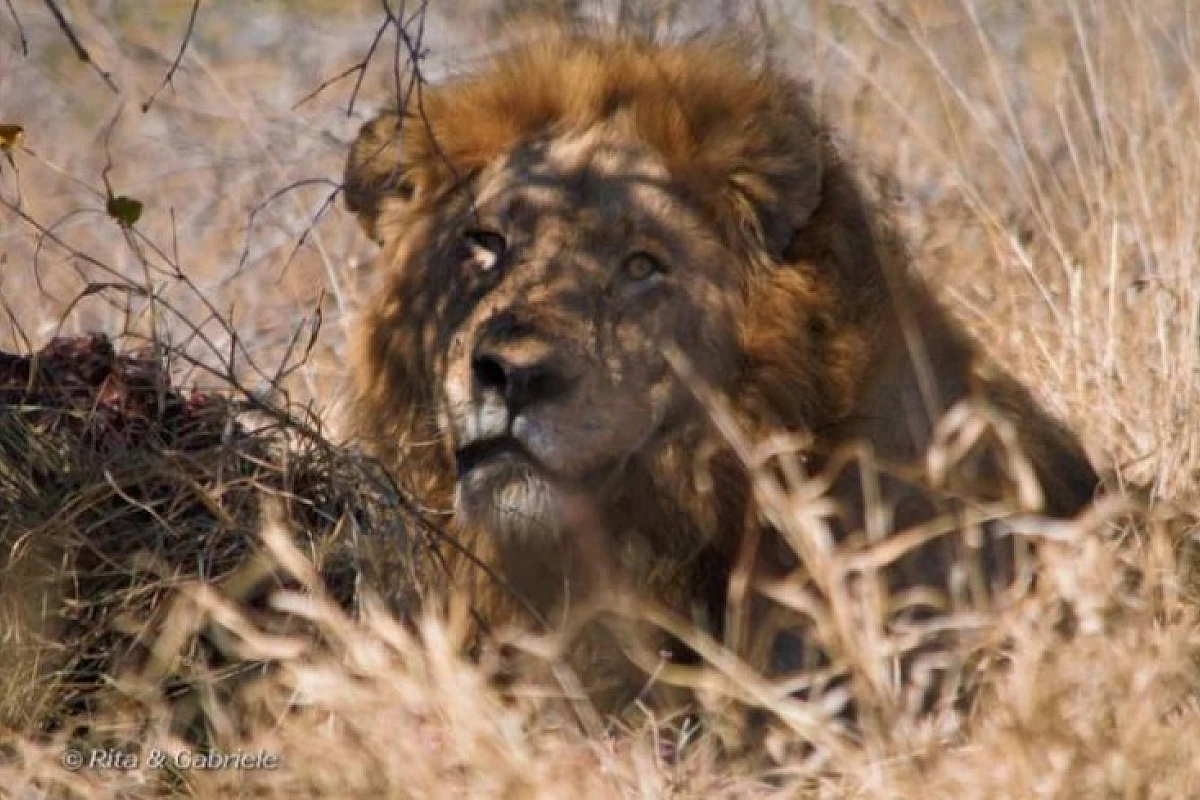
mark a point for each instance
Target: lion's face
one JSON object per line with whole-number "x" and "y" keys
{"x": 575, "y": 263}
{"x": 554, "y": 225}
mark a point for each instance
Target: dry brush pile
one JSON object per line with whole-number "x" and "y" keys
{"x": 126, "y": 500}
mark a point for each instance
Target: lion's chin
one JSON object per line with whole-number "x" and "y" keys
{"x": 508, "y": 497}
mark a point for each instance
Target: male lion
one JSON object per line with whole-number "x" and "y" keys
{"x": 558, "y": 224}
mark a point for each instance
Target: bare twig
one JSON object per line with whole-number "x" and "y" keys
{"x": 325, "y": 84}
{"x": 20, "y": 28}
{"x": 80, "y": 51}
{"x": 187, "y": 37}
{"x": 271, "y": 198}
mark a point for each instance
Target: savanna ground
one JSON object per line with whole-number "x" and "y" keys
{"x": 1044, "y": 159}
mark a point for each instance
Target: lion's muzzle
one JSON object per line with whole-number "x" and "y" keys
{"x": 518, "y": 373}
{"x": 514, "y": 378}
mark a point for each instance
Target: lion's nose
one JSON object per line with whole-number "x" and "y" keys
{"x": 522, "y": 373}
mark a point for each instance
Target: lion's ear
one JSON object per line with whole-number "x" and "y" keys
{"x": 779, "y": 206}
{"x": 781, "y": 176}
{"x": 376, "y": 170}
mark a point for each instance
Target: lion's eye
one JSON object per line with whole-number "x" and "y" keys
{"x": 487, "y": 247}
{"x": 641, "y": 266}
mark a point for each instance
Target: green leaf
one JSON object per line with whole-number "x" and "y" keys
{"x": 125, "y": 210}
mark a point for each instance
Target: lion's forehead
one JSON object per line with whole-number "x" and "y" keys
{"x": 596, "y": 177}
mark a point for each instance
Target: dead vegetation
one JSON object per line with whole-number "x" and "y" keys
{"x": 118, "y": 490}
{"x": 1043, "y": 162}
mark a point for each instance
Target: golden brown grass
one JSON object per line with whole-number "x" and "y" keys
{"x": 1043, "y": 159}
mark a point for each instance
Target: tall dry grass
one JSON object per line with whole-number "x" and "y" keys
{"x": 1041, "y": 159}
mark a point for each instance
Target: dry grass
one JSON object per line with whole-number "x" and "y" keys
{"x": 1043, "y": 160}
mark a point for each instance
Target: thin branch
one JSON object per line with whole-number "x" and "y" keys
{"x": 262, "y": 206}
{"x": 326, "y": 204}
{"x": 20, "y": 28}
{"x": 362, "y": 71}
{"x": 80, "y": 51}
{"x": 325, "y": 84}
{"x": 187, "y": 37}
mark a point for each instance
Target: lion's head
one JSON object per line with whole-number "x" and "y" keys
{"x": 557, "y": 221}
{"x": 552, "y": 225}
{"x": 576, "y": 261}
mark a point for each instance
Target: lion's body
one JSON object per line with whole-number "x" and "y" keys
{"x": 555, "y": 222}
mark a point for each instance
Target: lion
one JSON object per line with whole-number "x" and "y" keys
{"x": 583, "y": 242}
